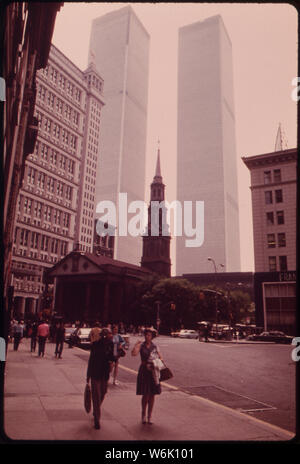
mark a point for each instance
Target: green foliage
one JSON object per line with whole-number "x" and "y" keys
{"x": 191, "y": 306}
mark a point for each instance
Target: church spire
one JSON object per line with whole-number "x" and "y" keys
{"x": 158, "y": 177}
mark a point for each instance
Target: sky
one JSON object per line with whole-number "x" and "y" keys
{"x": 264, "y": 48}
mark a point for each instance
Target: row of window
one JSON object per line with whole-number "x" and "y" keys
{"x": 271, "y": 218}
{"x": 95, "y": 82}
{"x": 40, "y": 241}
{"x": 268, "y": 178}
{"x": 54, "y": 102}
{"x": 59, "y": 79}
{"x": 273, "y": 263}
{"x": 54, "y": 129}
{"x": 52, "y": 185}
{"x": 52, "y": 156}
{"x": 278, "y": 196}
{"x": 271, "y": 240}
{"x": 39, "y": 210}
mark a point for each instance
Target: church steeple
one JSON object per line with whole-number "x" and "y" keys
{"x": 157, "y": 177}
{"x": 157, "y": 186}
{"x": 156, "y": 247}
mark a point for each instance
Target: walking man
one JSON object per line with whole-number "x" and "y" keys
{"x": 18, "y": 334}
{"x": 101, "y": 356}
{"x": 59, "y": 338}
{"x": 42, "y": 333}
{"x": 33, "y": 337}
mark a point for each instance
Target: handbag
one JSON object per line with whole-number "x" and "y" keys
{"x": 165, "y": 374}
{"x": 87, "y": 398}
{"x": 121, "y": 352}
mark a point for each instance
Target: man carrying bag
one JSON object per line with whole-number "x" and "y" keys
{"x": 101, "y": 357}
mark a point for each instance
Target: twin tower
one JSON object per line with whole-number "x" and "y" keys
{"x": 206, "y": 153}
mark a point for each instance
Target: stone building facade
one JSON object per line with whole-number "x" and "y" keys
{"x": 274, "y": 194}
{"x": 55, "y": 211}
{"x": 26, "y": 32}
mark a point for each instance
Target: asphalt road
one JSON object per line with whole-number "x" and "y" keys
{"x": 257, "y": 378}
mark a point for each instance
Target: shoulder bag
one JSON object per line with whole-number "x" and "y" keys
{"x": 165, "y": 374}
{"x": 87, "y": 398}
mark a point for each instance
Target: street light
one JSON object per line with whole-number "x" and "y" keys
{"x": 157, "y": 316}
{"x": 213, "y": 261}
{"x": 216, "y": 302}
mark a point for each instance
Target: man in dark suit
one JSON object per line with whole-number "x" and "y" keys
{"x": 101, "y": 357}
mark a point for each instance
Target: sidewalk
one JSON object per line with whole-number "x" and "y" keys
{"x": 43, "y": 400}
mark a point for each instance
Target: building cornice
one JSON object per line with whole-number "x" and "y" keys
{"x": 284, "y": 156}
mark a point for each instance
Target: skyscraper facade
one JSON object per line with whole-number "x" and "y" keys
{"x": 119, "y": 46}
{"x": 56, "y": 200}
{"x": 206, "y": 152}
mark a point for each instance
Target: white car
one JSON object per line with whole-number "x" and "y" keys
{"x": 185, "y": 333}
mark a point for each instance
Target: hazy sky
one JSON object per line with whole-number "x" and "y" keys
{"x": 264, "y": 44}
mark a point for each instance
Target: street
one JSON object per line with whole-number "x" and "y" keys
{"x": 255, "y": 377}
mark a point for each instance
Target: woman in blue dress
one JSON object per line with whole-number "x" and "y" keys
{"x": 146, "y": 384}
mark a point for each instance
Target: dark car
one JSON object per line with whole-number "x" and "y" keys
{"x": 81, "y": 337}
{"x": 272, "y": 336}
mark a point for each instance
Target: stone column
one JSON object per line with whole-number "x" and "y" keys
{"x": 22, "y": 307}
{"x": 106, "y": 302}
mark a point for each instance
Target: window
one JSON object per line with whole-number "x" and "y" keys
{"x": 281, "y": 240}
{"x": 267, "y": 177}
{"x": 268, "y": 197}
{"x": 272, "y": 263}
{"x": 47, "y": 125}
{"x": 59, "y": 106}
{"x": 280, "y": 217}
{"x": 277, "y": 175}
{"x": 283, "y": 263}
{"x": 53, "y": 157}
{"x": 278, "y": 196}
{"x": 270, "y": 218}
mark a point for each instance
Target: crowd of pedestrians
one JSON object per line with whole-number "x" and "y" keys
{"x": 107, "y": 346}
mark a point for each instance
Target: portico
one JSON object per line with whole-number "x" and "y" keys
{"x": 89, "y": 287}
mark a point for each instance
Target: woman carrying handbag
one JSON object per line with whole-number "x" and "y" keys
{"x": 147, "y": 385}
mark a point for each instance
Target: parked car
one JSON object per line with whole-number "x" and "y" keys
{"x": 81, "y": 337}
{"x": 220, "y": 331}
{"x": 175, "y": 334}
{"x": 271, "y": 336}
{"x": 186, "y": 333}
{"x": 68, "y": 333}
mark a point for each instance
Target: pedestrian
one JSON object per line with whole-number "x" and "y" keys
{"x": 148, "y": 384}
{"x": 59, "y": 338}
{"x": 42, "y": 333}
{"x": 206, "y": 332}
{"x": 118, "y": 342}
{"x": 101, "y": 357}
{"x": 33, "y": 336}
{"x": 17, "y": 334}
{"x": 95, "y": 332}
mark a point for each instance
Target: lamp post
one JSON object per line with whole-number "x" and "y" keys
{"x": 157, "y": 316}
{"x": 216, "y": 301}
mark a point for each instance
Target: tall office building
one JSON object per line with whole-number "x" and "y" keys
{"x": 56, "y": 201}
{"x": 119, "y": 46}
{"x": 206, "y": 163}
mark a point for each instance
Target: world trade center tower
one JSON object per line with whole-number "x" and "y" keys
{"x": 119, "y": 47}
{"x": 206, "y": 152}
